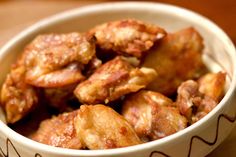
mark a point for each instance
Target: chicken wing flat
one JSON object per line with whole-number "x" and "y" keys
{"x": 100, "y": 127}
{"x": 56, "y": 60}
{"x": 17, "y": 97}
{"x": 59, "y": 132}
{"x": 196, "y": 99}
{"x": 178, "y": 57}
{"x": 127, "y": 37}
{"x": 152, "y": 115}
{"x": 112, "y": 80}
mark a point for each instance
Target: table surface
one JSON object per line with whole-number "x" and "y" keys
{"x": 15, "y": 15}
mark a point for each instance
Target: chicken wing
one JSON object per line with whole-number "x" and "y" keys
{"x": 59, "y": 132}
{"x": 212, "y": 85}
{"x": 56, "y": 60}
{"x": 178, "y": 57}
{"x": 17, "y": 97}
{"x": 113, "y": 80}
{"x": 152, "y": 115}
{"x": 127, "y": 37}
{"x": 197, "y": 99}
{"x": 100, "y": 127}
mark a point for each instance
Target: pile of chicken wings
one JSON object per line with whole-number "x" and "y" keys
{"x": 132, "y": 82}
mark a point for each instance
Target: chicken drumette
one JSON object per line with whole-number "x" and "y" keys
{"x": 152, "y": 115}
{"x": 127, "y": 37}
{"x": 56, "y": 60}
{"x": 197, "y": 98}
{"x": 100, "y": 127}
{"x": 113, "y": 80}
{"x": 17, "y": 97}
{"x": 59, "y": 131}
{"x": 176, "y": 58}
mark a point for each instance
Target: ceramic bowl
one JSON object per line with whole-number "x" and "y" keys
{"x": 197, "y": 140}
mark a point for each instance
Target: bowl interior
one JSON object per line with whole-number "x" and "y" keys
{"x": 218, "y": 48}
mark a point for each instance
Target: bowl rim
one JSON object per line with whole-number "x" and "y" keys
{"x": 111, "y": 6}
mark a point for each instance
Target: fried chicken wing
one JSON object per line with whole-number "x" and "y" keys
{"x": 56, "y": 60}
{"x": 100, "y": 127}
{"x": 196, "y": 99}
{"x": 178, "y": 57}
{"x": 127, "y": 37}
{"x": 17, "y": 97}
{"x": 59, "y": 132}
{"x": 212, "y": 85}
{"x": 152, "y": 115}
{"x": 113, "y": 80}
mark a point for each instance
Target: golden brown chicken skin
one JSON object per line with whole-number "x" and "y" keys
{"x": 152, "y": 115}
{"x": 100, "y": 127}
{"x": 212, "y": 85}
{"x": 197, "y": 99}
{"x": 59, "y": 132}
{"x": 17, "y": 97}
{"x": 112, "y": 80}
{"x": 127, "y": 37}
{"x": 176, "y": 58}
{"x": 56, "y": 60}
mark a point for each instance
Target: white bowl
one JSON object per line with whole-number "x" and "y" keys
{"x": 197, "y": 140}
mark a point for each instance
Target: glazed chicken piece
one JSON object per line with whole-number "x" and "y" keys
{"x": 152, "y": 115}
{"x": 127, "y": 37}
{"x": 17, "y": 97}
{"x": 59, "y": 132}
{"x": 100, "y": 127}
{"x": 197, "y": 99}
{"x": 56, "y": 60}
{"x": 113, "y": 80}
{"x": 176, "y": 58}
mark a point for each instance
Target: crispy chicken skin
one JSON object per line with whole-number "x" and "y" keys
{"x": 112, "y": 80}
{"x": 197, "y": 99}
{"x": 17, "y": 97}
{"x": 152, "y": 115}
{"x": 127, "y": 37}
{"x": 100, "y": 127}
{"x": 176, "y": 58}
{"x": 56, "y": 60}
{"x": 212, "y": 85}
{"x": 59, "y": 132}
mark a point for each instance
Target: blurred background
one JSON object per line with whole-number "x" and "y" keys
{"x": 16, "y": 15}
